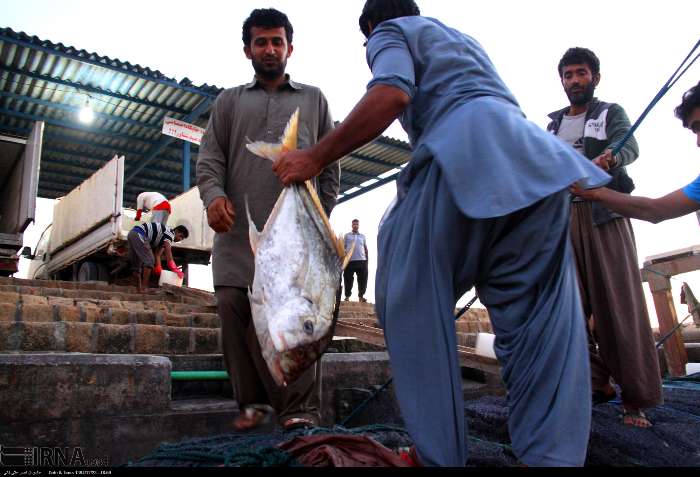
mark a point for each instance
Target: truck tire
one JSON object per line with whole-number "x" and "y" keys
{"x": 88, "y": 272}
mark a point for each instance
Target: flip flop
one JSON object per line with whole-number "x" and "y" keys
{"x": 629, "y": 417}
{"x": 298, "y": 423}
{"x": 254, "y": 417}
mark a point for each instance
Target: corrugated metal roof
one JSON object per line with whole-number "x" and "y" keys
{"x": 41, "y": 80}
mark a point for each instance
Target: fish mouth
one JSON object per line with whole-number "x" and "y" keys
{"x": 289, "y": 365}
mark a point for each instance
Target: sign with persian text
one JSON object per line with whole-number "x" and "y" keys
{"x": 182, "y": 130}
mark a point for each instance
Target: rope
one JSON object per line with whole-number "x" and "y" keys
{"x": 670, "y": 333}
{"x": 664, "y": 89}
{"x": 366, "y": 401}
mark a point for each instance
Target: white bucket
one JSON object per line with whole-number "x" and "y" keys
{"x": 484, "y": 345}
{"x": 169, "y": 278}
{"x": 692, "y": 368}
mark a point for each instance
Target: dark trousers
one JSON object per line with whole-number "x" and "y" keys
{"x": 358, "y": 267}
{"x": 248, "y": 372}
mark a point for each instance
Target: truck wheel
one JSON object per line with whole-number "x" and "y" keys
{"x": 88, "y": 272}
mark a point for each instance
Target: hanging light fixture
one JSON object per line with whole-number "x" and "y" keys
{"x": 86, "y": 114}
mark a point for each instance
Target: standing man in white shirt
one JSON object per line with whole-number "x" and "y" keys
{"x": 358, "y": 262}
{"x": 156, "y": 203}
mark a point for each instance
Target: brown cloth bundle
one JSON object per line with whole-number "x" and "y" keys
{"x": 333, "y": 450}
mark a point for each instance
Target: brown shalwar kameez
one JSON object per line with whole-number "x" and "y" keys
{"x": 225, "y": 168}
{"x": 622, "y": 344}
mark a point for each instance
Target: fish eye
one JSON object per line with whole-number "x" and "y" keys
{"x": 308, "y": 327}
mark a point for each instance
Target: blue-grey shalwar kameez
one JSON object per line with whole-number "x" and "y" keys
{"x": 483, "y": 202}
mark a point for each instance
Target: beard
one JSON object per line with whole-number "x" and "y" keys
{"x": 582, "y": 97}
{"x": 268, "y": 72}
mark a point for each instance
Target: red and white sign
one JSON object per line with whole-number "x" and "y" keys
{"x": 182, "y": 130}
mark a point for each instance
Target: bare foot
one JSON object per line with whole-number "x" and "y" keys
{"x": 636, "y": 418}
{"x": 253, "y": 416}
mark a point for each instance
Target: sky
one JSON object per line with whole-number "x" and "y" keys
{"x": 639, "y": 43}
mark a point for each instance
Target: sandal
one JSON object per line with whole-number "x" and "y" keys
{"x": 254, "y": 417}
{"x": 636, "y": 418}
{"x": 293, "y": 423}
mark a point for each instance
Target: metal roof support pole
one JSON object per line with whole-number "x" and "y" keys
{"x": 186, "y": 166}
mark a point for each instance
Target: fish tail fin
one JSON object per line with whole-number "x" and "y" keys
{"x": 288, "y": 141}
{"x": 253, "y": 233}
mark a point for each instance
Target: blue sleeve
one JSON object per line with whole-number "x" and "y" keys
{"x": 390, "y": 60}
{"x": 692, "y": 190}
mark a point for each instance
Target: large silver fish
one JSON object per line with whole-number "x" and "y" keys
{"x": 298, "y": 266}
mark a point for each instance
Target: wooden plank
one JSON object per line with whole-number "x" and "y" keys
{"x": 674, "y": 348}
{"x": 675, "y": 266}
{"x": 375, "y": 336}
{"x": 657, "y": 272}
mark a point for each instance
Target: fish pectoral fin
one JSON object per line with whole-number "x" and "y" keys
{"x": 288, "y": 141}
{"x": 348, "y": 255}
{"x": 266, "y": 150}
{"x": 253, "y": 233}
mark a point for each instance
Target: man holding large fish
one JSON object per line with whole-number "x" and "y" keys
{"x": 483, "y": 202}
{"x": 228, "y": 176}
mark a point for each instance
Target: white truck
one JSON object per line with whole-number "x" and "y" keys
{"x": 19, "y": 182}
{"x": 87, "y": 239}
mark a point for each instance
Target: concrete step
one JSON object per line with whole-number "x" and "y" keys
{"x": 466, "y": 339}
{"x": 73, "y": 337}
{"x": 103, "y": 291}
{"x": 66, "y": 285}
{"x": 32, "y": 308}
{"x": 114, "y": 440}
{"x": 56, "y": 386}
{"x": 81, "y": 294}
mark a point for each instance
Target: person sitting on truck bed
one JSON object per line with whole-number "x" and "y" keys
{"x": 146, "y": 244}
{"x": 154, "y": 202}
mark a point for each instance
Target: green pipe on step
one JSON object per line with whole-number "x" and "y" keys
{"x": 199, "y": 375}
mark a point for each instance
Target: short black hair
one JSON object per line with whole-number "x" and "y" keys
{"x": 266, "y": 18}
{"x": 578, "y": 55}
{"x": 691, "y": 100}
{"x": 183, "y": 230}
{"x": 356, "y": 220}
{"x": 377, "y": 11}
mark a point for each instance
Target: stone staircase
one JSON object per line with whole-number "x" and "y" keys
{"x": 37, "y": 315}
{"x": 71, "y": 317}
